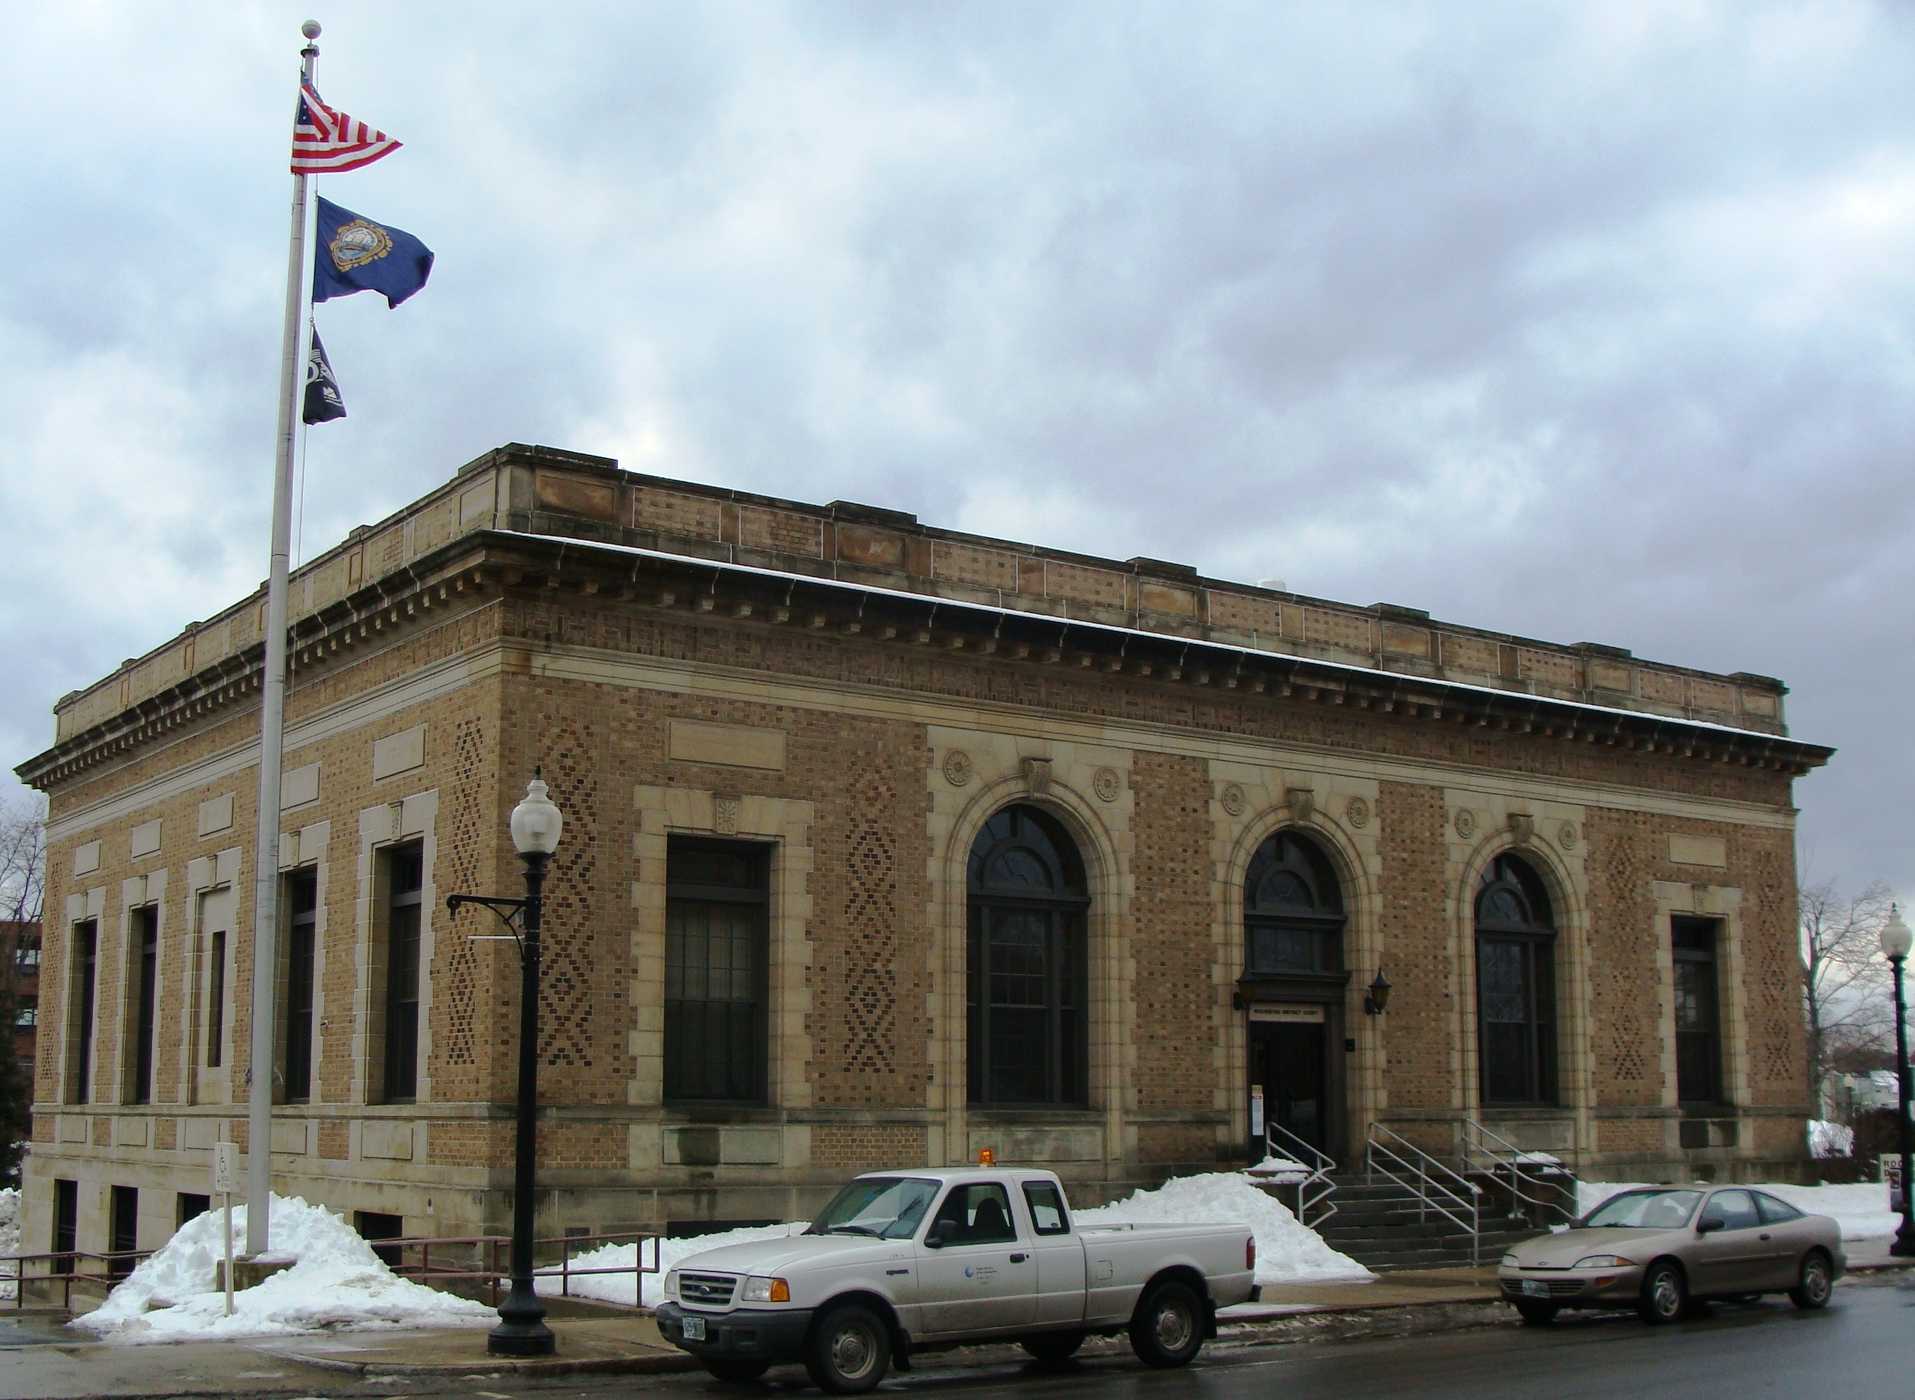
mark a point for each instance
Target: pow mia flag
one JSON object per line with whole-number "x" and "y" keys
{"x": 323, "y": 401}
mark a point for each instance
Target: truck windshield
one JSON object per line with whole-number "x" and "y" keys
{"x": 887, "y": 1207}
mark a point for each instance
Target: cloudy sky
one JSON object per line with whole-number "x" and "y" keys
{"x": 1587, "y": 322}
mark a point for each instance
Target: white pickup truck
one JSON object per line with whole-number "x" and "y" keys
{"x": 902, "y": 1262}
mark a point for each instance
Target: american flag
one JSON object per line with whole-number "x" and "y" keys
{"x": 325, "y": 141}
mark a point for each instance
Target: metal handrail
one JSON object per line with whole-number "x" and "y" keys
{"x": 1423, "y": 1176}
{"x": 1318, "y": 1189}
{"x": 118, "y": 1264}
{"x": 1543, "y": 1186}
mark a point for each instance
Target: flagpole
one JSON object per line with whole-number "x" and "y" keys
{"x": 272, "y": 725}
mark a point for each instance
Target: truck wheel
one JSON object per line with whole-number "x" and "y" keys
{"x": 849, "y": 1351}
{"x": 1167, "y": 1328}
{"x": 737, "y": 1372}
{"x": 1053, "y": 1348}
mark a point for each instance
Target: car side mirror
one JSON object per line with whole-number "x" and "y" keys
{"x": 1709, "y": 1224}
{"x": 941, "y": 1233}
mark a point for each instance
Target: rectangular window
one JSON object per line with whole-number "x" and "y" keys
{"x": 191, "y": 1207}
{"x": 301, "y": 899}
{"x": 66, "y": 1223}
{"x": 27, "y": 956}
{"x": 717, "y": 909}
{"x": 374, "y": 1226}
{"x": 216, "y": 1000}
{"x": 1698, "y": 1024}
{"x": 405, "y": 881}
{"x": 142, "y": 983}
{"x": 26, "y": 1013}
{"x": 126, "y": 1230}
{"x": 86, "y": 950}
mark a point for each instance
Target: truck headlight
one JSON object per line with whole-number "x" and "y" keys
{"x": 766, "y": 1290}
{"x": 671, "y": 1284}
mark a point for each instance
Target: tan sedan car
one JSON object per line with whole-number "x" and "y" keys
{"x": 1658, "y": 1248}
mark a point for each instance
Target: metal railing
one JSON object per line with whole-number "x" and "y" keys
{"x": 61, "y": 1269}
{"x": 1544, "y": 1184}
{"x": 1437, "y": 1188}
{"x": 1316, "y": 1193}
{"x": 477, "y": 1260}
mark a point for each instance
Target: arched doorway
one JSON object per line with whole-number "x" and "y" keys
{"x": 1293, "y": 990}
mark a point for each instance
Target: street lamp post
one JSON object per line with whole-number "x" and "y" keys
{"x": 536, "y": 824}
{"x": 1895, "y": 943}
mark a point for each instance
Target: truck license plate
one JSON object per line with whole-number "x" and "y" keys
{"x": 1532, "y": 1288}
{"x": 694, "y": 1329}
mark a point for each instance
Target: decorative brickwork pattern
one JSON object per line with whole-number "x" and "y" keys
{"x": 864, "y": 1147}
{"x": 1778, "y": 1071}
{"x": 780, "y": 531}
{"x": 1626, "y": 1001}
{"x": 454, "y": 1035}
{"x": 870, "y": 931}
{"x": 566, "y": 979}
{"x": 1416, "y": 947}
{"x": 335, "y": 1140}
{"x": 1174, "y": 951}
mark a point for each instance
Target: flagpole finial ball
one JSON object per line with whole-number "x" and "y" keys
{"x": 310, "y": 29}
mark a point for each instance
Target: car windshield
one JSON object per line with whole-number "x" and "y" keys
{"x": 887, "y": 1207}
{"x": 1645, "y": 1210}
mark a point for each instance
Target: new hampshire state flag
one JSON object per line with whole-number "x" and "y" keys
{"x": 354, "y": 254}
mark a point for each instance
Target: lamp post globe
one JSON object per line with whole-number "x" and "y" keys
{"x": 1895, "y": 945}
{"x": 536, "y": 826}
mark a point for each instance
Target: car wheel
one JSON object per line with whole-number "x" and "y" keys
{"x": 1664, "y": 1293}
{"x": 737, "y": 1372}
{"x": 1817, "y": 1282}
{"x": 1167, "y": 1328}
{"x": 1536, "y": 1314}
{"x": 850, "y": 1350}
{"x": 1053, "y": 1348}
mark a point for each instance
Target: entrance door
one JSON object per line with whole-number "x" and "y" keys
{"x": 1287, "y": 1060}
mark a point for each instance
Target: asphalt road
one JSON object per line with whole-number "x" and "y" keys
{"x": 1861, "y": 1347}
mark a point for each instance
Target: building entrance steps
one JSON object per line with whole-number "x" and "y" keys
{"x": 1383, "y": 1227}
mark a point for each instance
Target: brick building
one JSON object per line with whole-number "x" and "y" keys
{"x": 20, "y": 960}
{"x": 884, "y": 843}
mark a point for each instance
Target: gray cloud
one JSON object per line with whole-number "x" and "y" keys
{"x": 1585, "y": 323}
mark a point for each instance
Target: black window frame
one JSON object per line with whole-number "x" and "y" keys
{"x": 718, "y": 900}
{"x": 404, "y": 867}
{"x": 216, "y": 1001}
{"x": 1512, "y": 914}
{"x": 65, "y": 1239}
{"x": 299, "y": 897}
{"x": 1292, "y": 899}
{"x": 123, "y": 1229}
{"x": 142, "y": 1011}
{"x": 1054, "y": 1065}
{"x": 1696, "y": 992}
{"x": 84, "y": 991}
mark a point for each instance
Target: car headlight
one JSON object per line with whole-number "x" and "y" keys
{"x": 1509, "y": 1261}
{"x": 671, "y": 1284}
{"x": 766, "y": 1290}
{"x": 1603, "y": 1261}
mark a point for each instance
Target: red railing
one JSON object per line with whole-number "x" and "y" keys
{"x": 14, "y": 1270}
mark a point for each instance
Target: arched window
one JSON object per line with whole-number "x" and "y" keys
{"x": 1515, "y": 985}
{"x": 1292, "y": 910}
{"x": 1024, "y": 968}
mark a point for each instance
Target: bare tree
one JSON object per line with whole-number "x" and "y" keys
{"x": 23, "y": 862}
{"x": 1845, "y": 978}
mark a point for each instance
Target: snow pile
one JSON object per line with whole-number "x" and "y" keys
{"x": 1287, "y": 1251}
{"x": 1862, "y": 1210}
{"x": 335, "y": 1283}
{"x": 9, "y": 1238}
{"x": 618, "y": 1288}
{"x": 1280, "y": 1171}
{"x": 1830, "y": 1139}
